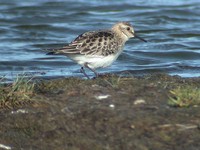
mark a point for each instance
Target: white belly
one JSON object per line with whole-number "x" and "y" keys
{"x": 94, "y": 61}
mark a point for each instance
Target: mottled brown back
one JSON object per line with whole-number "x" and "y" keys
{"x": 92, "y": 43}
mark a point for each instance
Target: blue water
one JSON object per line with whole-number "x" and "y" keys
{"x": 172, "y": 29}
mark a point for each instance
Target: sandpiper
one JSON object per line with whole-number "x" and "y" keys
{"x": 98, "y": 49}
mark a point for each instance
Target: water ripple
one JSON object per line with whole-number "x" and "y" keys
{"x": 171, "y": 29}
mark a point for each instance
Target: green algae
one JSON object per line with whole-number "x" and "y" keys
{"x": 18, "y": 93}
{"x": 184, "y": 96}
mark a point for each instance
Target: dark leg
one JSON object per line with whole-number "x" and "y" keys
{"x": 96, "y": 74}
{"x": 83, "y": 71}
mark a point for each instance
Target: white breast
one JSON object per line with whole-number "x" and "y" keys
{"x": 95, "y": 61}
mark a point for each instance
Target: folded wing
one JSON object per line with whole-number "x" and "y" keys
{"x": 90, "y": 43}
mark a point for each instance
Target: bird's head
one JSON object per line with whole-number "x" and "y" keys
{"x": 126, "y": 31}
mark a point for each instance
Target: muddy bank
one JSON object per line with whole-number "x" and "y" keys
{"x": 108, "y": 113}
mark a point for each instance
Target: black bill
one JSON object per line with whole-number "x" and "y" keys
{"x": 139, "y": 38}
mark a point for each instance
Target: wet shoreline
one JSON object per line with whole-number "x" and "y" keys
{"x": 109, "y": 112}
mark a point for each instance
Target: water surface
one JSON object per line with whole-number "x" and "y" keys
{"x": 172, "y": 30}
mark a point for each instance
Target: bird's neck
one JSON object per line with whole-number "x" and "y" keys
{"x": 119, "y": 34}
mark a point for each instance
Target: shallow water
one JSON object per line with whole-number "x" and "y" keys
{"x": 171, "y": 29}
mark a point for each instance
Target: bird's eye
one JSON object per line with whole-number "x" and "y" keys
{"x": 128, "y": 28}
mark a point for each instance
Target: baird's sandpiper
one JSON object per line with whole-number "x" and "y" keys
{"x": 98, "y": 49}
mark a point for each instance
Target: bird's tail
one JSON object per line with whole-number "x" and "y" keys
{"x": 52, "y": 51}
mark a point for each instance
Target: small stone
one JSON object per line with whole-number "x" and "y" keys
{"x": 132, "y": 126}
{"x": 139, "y": 101}
{"x": 100, "y": 97}
{"x": 111, "y": 105}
